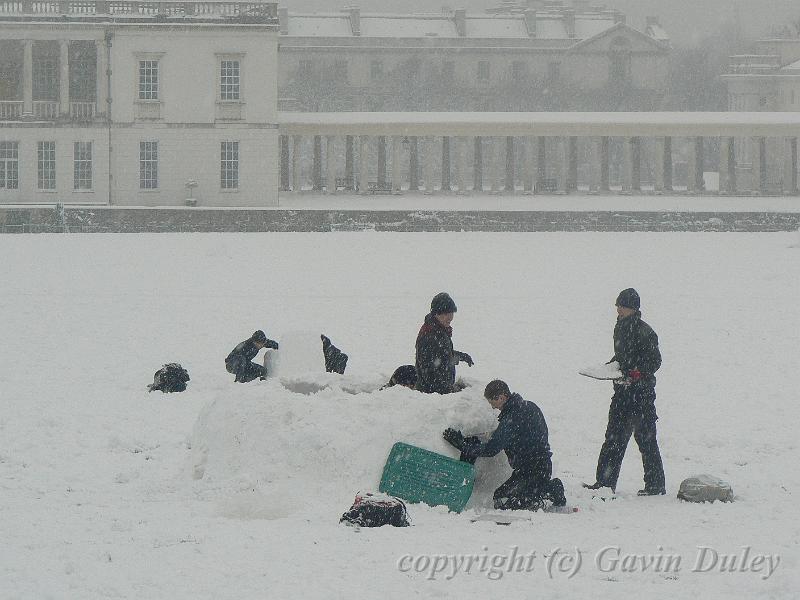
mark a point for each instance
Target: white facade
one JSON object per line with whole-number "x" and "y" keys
{"x": 191, "y": 109}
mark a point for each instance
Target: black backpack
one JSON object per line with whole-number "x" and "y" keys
{"x": 376, "y": 510}
{"x": 172, "y": 377}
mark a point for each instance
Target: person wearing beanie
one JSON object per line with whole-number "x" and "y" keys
{"x": 633, "y": 409}
{"x": 240, "y": 360}
{"x": 435, "y": 358}
{"x": 522, "y": 433}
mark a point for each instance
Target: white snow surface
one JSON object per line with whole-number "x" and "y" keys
{"x": 235, "y": 491}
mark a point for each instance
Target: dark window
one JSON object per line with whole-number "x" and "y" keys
{"x": 483, "y": 70}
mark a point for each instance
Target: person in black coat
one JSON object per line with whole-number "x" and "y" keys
{"x": 522, "y": 433}
{"x": 239, "y": 361}
{"x": 435, "y": 358}
{"x": 633, "y": 409}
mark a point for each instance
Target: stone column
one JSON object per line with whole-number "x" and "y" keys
{"x": 658, "y": 165}
{"x": 363, "y": 164}
{"x": 316, "y": 166}
{"x": 636, "y": 164}
{"x": 757, "y": 183}
{"x": 27, "y": 78}
{"x": 396, "y": 177}
{"x": 508, "y": 185}
{"x": 330, "y": 164}
{"x": 627, "y": 165}
{"x": 428, "y": 154}
{"x": 594, "y": 164}
{"x": 63, "y": 79}
{"x": 790, "y": 166}
{"x": 382, "y": 162}
{"x": 413, "y": 165}
{"x": 284, "y": 150}
{"x": 349, "y": 180}
{"x": 691, "y": 171}
{"x": 101, "y": 98}
{"x": 563, "y": 173}
{"x": 477, "y": 166}
{"x": 727, "y": 170}
{"x": 296, "y": 141}
{"x": 667, "y": 164}
{"x": 446, "y": 187}
{"x": 492, "y": 163}
{"x": 572, "y": 162}
{"x": 541, "y": 160}
{"x": 604, "y": 159}
{"x": 463, "y": 164}
{"x": 531, "y": 170}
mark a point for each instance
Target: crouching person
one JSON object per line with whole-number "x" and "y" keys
{"x": 522, "y": 433}
{"x": 240, "y": 361}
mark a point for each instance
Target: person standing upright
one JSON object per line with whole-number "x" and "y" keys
{"x": 435, "y": 358}
{"x": 633, "y": 409}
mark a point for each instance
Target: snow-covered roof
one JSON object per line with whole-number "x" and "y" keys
{"x": 549, "y": 25}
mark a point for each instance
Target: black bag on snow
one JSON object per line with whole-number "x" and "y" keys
{"x": 376, "y": 510}
{"x": 172, "y": 377}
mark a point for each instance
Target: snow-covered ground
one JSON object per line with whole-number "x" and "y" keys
{"x": 232, "y": 491}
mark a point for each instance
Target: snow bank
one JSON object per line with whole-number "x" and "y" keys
{"x": 269, "y": 451}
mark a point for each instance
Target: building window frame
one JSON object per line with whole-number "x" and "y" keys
{"x": 376, "y": 70}
{"x": 46, "y": 166}
{"x": 148, "y": 165}
{"x": 9, "y": 165}
{"x": 230, "y": 78}
{"x": 82, "y": 166}
{"x": 229, "y": 165}
{"x": 484, "y": 71}
{"x": 149, "y": 77}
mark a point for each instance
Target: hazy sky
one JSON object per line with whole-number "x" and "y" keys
{"x": 684, "y": 20}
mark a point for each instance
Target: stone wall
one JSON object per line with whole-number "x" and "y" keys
{"x": 140, "y": 220}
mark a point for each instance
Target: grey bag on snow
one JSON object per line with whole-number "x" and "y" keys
{"x": 705, "y": 488}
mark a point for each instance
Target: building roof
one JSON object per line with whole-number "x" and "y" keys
{"x": 549, "y": 25}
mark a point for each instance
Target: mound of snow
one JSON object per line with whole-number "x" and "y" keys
{"x": 265, "y": 451}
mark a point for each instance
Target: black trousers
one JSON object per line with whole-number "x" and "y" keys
{"x": 632, "y": 412}
{"x": 245, "y": 371}
{"x": 529, "y": 486}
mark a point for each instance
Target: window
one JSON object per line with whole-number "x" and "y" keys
{"x": 340, "y": 71}
{"x": 305, "y": 69}
{"x": 229, "y": 80}
{"x": 9, "y": 165}
{"x": 762, "y": 101}
{"x": 376, "y": 70}
{"x": 45, "y": 78}
{"x": 448, "y": 70}
{"x": 483, "y": 70}
{"x": 148, "y": 80}
{"x": 620, "y": 62}
{"x": 229, "y": 165}
{"x": 82, "y": 165}
{"x": 519, "y": 70}
{"x": 46, "y": 165}
{"x": 148, "y": 165}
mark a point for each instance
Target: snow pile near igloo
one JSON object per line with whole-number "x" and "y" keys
{"x": 265, "y": 451}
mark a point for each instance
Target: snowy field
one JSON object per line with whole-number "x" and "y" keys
{"x": 231, "y": 491}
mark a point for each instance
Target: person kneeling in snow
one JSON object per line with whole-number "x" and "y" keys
{"x": 522, "y": 433}
{"x": 239, "y": 361}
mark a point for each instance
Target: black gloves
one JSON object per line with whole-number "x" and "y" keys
{"x": 470, "y": 450}
{"x": 454, "y": 437}
{"x": 271, "y": 344}
{"x": 463, "y": 357}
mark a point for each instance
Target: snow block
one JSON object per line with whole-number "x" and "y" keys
{"x": 418, "y": 475}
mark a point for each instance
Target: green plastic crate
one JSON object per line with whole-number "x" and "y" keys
{"x": 418, "y": 475}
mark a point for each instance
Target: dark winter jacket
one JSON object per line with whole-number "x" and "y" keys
{"x": 522, "y": 433}
{"x": 435, "y": 364}
{"x": 241, "y": 355}
{"x": 636, "y": 347}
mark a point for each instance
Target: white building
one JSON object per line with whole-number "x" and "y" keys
{"x": 534, "y": 56}
{"x": 138, "y": 104}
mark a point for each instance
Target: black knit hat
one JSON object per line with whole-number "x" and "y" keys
{"x": 629, "y": 299}
{"x": 442, "y": 303}
{"x": 259, "y": 336}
